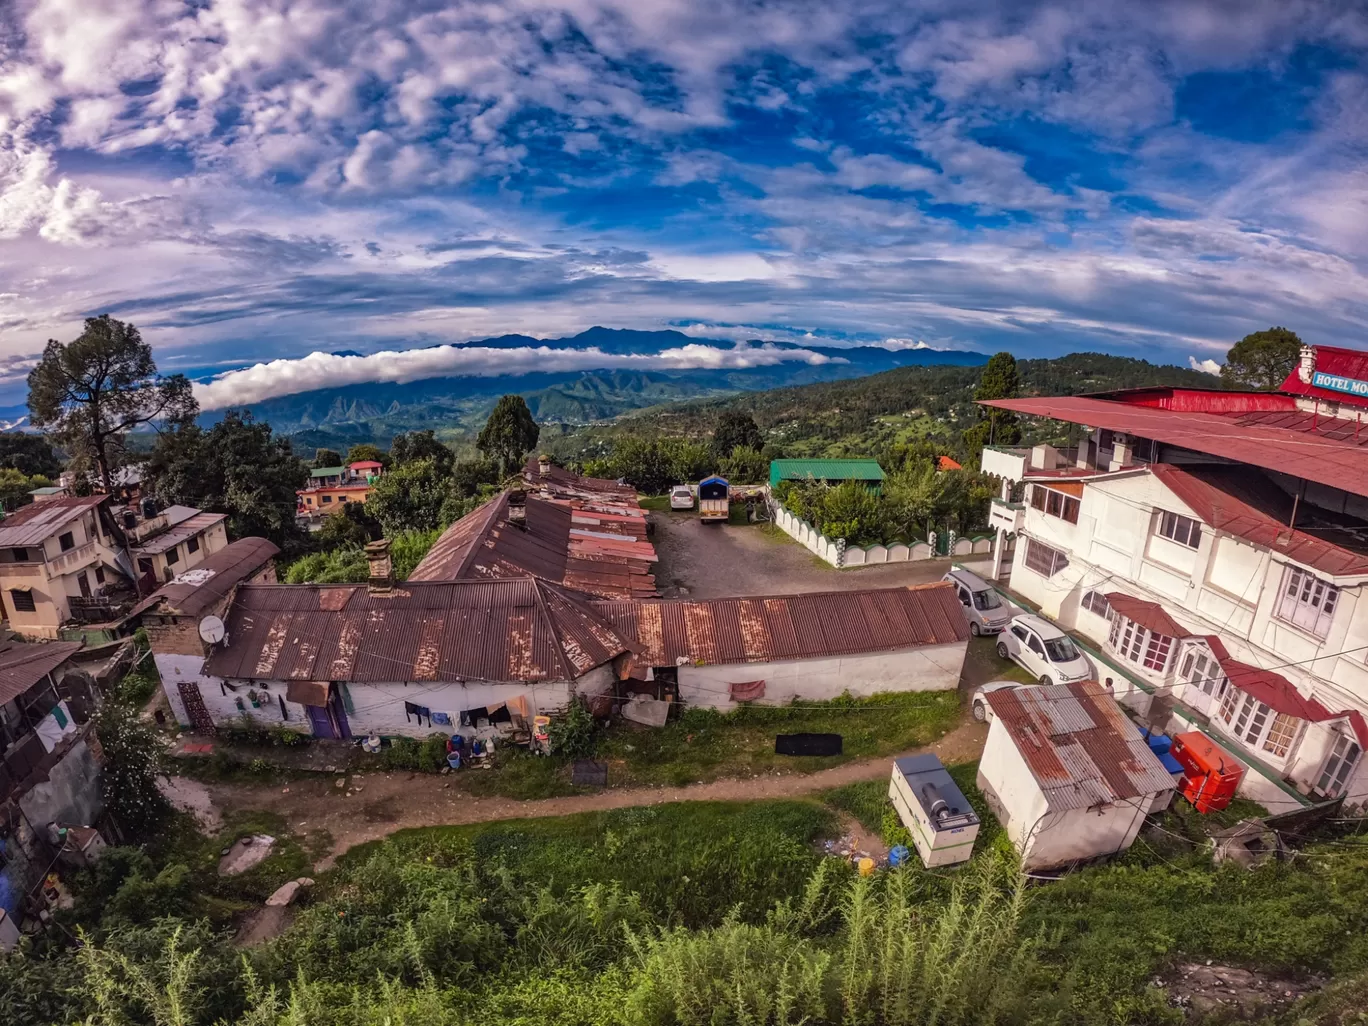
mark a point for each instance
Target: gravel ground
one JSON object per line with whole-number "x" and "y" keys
{"x": 724, "y": 561}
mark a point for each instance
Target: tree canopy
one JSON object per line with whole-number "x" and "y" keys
{"x": 364, "y": 451}
{"x": 999, "y": 380}
{"x": 326, "y": 458}
{"x": 91, "y": 392}
{"x": 509, "y": 434}
{"x": 736, "y": 428}
{"x": 421, "y": 445}
{"x": 1262, "y": 359}
{"x": 30, "y": 454}
{"x": 236, "y": 467}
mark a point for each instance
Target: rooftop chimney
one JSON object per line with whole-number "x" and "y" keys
{"x": 543, "y": 464}
{"x": 1307, "y": 367}
{"x": 381, "y": 567}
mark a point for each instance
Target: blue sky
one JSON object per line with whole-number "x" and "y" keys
{"x": 263, "y": 179}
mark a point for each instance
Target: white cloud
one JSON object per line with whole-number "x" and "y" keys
{"x": 326, "y": 370}
{"x": 1208, "y": 365}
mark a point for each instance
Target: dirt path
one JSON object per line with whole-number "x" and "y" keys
{"x": 375, "y": 805}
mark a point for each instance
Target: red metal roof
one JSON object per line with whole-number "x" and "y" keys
{"x": 23, "y": 665}
{"x": 1284, "y": 439}
{"x": 520, "y": 629}
{"x": 1246, "y": 504}
{"x": 38, "y": 521}
{"x": 1347, "y": 363}
{"x": 775, "y": 628}
{"x": 1080, "y": 748}
{"x": 1150, "y": 615}
{"x": 196, "y": 591}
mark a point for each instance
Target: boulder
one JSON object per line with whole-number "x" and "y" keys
{"x": 285, "y": 894}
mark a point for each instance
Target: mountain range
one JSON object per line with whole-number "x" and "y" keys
{"x": 375, "y": 412}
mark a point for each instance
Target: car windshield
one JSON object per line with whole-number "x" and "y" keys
{"x": 1061, "y": 650}
{"x": 987, "y": 600}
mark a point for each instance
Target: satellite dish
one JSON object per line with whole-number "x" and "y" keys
{"x": 211, "y": 629}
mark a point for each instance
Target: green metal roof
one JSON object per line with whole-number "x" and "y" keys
{"x": 825, "y": 470}
{"x": 53, "y": 490}
{"x": 328, "y": 472}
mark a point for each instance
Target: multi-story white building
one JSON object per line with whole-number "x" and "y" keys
{"x": 1214, "y": 545}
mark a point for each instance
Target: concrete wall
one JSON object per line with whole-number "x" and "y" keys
{"x": 834, "y": 552}
{"x": 931, "y": 668}
{"x": 221, "y": 701}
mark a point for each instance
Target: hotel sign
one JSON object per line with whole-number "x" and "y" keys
{"x": 1336, "y": 383}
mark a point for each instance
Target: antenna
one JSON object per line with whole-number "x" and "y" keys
{"x": 211, "y": 629}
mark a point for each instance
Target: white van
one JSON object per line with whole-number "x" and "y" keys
{"x": 983, "y": 606}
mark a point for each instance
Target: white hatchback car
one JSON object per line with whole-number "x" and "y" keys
{"x": 1043, "y": 650}
{"x": 978, "y": 705}
{"x": 681, "y": 497}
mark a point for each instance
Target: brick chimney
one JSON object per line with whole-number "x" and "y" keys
{"x": 543, "y": 464}
{"x": 381, "y": 567}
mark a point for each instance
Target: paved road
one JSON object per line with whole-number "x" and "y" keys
{"x": 387, "y": 802}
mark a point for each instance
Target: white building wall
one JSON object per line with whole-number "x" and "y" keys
{"x": 220, "y": 701}
{"x": 379, "y": 708}
{"x": 928, "y": 668}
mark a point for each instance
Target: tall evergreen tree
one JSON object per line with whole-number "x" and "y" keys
{"x": 509, "y": 434}
{"x": 1262, "y": 359}
{"x": 999, "y": 380}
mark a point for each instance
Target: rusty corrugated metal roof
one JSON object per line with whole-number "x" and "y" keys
{"x": 519, "y": 629}
{"x": 23, "y": 665}
{"x": 776, "y": 628}
{"x": 603, "y": 554}
{"x": 173, "y": 536}
{"x": 196, "y": 591}
{"x": 1079, "y": 746}
{"x": 37, "y": 521}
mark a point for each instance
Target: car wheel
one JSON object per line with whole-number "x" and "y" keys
{"x": 1045, "y": 680}
{"x": 1002, "y": 651}
{"x": 974, "y": 629}
{"x": 980, "y": 713}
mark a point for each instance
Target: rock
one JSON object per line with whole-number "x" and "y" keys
{"x": 340, "y": 782}
{"x": 244, "y": 853}
{"x": 285, "y": 894}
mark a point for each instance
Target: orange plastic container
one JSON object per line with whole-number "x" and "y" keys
{"x": 1211, "y": 775}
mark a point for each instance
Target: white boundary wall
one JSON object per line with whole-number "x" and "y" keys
{"x": 838, "y": 554}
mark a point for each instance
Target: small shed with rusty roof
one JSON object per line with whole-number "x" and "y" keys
{"x": 1067, "y": 774}
{"x": 780, "y": 648}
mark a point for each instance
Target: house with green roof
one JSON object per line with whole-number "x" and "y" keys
{"x": 832, "y": 472}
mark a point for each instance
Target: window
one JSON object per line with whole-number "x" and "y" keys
{"x": 1344, "y": 756}
{"x": 66, "y": 541}
{"x": 19, "y": 555}
{"x": 1228, "y": 704}
{"x": 23, "y": 601}
{"x": 1280, "y": 735}
{"x": 1095, "y": 602}
{"x": 192, "y": 546}
{"x": 987, "y": 600}
{"x": 1307, "y": 602}
{"x": 964, "y": 596}
{"x": 1033, "y": 643}
{"x": 1044, "y": 560}
{"x": 83, "y": 584}
{"x": 327, "y": 498}
{"x": 1202, "y": 671}
{"x": 99, "y": 575}
{"x": 1256, "y": 722}
{"x": 1140, "y": 645}
{"x": 1061, "y": 650}
{"x": 1019, "y": 632}
{"x": 1183, "y": 530}
{"x": 172, "y": 556}
{"x": 308, "y": 500}
{"x": 144, "y": 565}
{"x": 1054, "y": 504}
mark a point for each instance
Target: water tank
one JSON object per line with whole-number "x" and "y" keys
{"x": 130, "y": 519}
{"x": 149, "y": 508}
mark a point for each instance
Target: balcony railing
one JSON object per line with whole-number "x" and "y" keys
{"x": 72, "y": 558}
{"x": 32, "y": 569}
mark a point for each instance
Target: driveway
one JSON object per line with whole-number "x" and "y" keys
{"x": 725, "y": 561}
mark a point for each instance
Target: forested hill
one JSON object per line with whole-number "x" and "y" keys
{"x": 862, "y": 416}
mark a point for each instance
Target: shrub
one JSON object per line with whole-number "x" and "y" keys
{"x": 574, "y": 734}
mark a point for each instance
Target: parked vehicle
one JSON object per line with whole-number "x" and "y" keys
{"x": 681, "y": 497}
{"x": 1043, "y": 650}
{"x": 713, "y": 503}
{"x": 983, "y": 606}
{"x": 978, "y": 705}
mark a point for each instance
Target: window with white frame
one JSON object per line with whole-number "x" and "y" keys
{"x": 1140, "y": 645}
{"x": 1181, "y": 529}
{"x": 1257, "y": 725}
{"x": 1229, "y": 703}
{"x": 1344, "y": 756}
{"x": 1095, "y": 602}
{"x": 1043, "y": 559}
{"x": 1200, "y": 669}
{"x": 1281, "y": 734}
{"x": 1054, "y": 503}
{"x": 1306, "y": 601}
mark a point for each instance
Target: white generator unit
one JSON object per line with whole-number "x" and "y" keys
{"x": 942, "y": 822}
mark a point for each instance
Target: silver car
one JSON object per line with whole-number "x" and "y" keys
{"x": 983, "y": 606}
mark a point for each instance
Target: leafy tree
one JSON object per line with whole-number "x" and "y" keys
{"x": 736, "y": 427}
{"x": 996, "y": 427}
{"x": 914, "y": 496}
{"x": 689, "y": 461}
{"x": 131, "y": 765}
{"x": 745, "y": 466}
{"x": 236, "y": 467}
{"x": 853, "y": 512}
{"x": 15, "y": 486}
{"x": 643, "y": 464}
{"x": 421, "y": 445}
{"x": 1262, "y": 360}
{"x": 409, "y": 498}
{"x": 509, "y": 434}
{"x": 364, "y": 451}
{"x": 326, "y": 458}
{"x": 346, "y": 565}
{"x": 348, "y": 524}
{"x": 467, "y": 476}
{"x": 91, "y": 392}
{"x": 31, "y": 454}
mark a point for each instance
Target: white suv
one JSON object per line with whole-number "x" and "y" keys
{"x": 1043, "y": 650}
{"x": 983, "y": 712}
{"x": 681, "y": 497}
